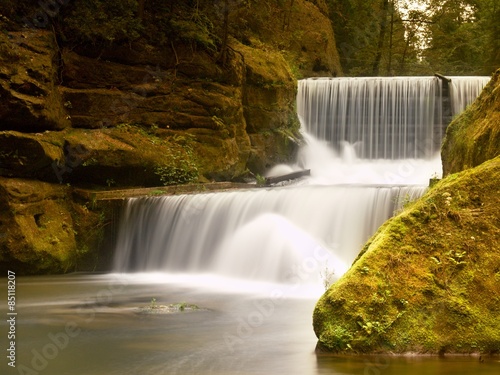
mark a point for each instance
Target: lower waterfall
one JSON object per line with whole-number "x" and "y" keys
{"x": 261, "y": 234}
{"x": 311, "y": 229}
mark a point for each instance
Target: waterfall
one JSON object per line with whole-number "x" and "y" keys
{"x": 384, "y": 117}
{"x": 261, "y": 234}
{"x": 464, "y": 90}
{"x": 371, "y": 145}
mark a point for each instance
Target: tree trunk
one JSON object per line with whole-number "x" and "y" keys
{"x": 140, "y": 9}
{"x": 222, "y": 58}
{"x": 381, "y": 37}
{"x": 389, "y": 65}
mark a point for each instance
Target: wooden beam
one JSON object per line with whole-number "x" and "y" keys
{"x": 440, "y": 76}
{"x": 288, "y": 176}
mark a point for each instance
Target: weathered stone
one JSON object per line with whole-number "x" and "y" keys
{"x": 29, "y": 98}
{"x": 36, "y": 227}
{"x": 30, "y": 155}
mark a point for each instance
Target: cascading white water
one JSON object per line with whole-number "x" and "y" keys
{"x": 298, "y": 232}
{"x": 388, "y": 118}
{"x": 383, "y": 117}
{"x": 464, "y": 90}
{"x": 262, "y": 234}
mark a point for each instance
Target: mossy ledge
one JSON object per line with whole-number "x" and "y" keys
{"x": 428, "y": 281}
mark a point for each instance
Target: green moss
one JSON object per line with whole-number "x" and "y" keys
{"x": 474, "y": 136}
{"x": 425, "y": 281}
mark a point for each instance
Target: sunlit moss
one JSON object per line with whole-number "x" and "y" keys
{"x": 425, "y": 282}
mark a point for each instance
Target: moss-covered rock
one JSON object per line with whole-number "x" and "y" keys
{"x": 38, "y": 233}
{"x": 474, "y": 136}
{"x": 101, "y": 157}
{"x": 301, "y": 30}
{"x": 428, "y": 280}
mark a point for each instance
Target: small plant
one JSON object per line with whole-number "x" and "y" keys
{"x": 456, "y": 257}
{"x": 156, "y": 192}
{"x": 261, "y": 180}
{"x": 365, "y": 270}
{"x": 153, "y": 304}
{"x": 327, "y": 276}
{"x": 172, "y": 175}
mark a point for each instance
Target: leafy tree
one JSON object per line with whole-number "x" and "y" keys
{"x": 463, "y": 36}
{"x": 102, "y": 21}
{"x": 394, "y": 37}
{"x": 372, "y": 38}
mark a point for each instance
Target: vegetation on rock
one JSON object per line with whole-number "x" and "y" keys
{"x": 45, "y": 231}
{"x": 474, "y": 136}
{"x": 427, "y": 281}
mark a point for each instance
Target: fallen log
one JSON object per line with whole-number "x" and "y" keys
{"x": 442, "y": 77}
{"x": 288, "y": 176}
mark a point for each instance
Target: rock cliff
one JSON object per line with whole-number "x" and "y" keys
{"x": 168, "y": 94}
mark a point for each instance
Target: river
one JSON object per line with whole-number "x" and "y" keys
{"x": 80, "y": 324}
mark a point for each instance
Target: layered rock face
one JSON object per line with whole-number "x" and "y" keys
{"x": 100, "y": 115}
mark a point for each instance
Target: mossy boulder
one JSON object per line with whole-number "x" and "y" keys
{"x": 44, "y": 230}
{"x": 474, "y": 136}
{"x": 428, "y": 280}
{"x": 301, "y": 30}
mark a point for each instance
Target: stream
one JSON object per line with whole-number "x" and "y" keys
{"x": 80, "y": 324}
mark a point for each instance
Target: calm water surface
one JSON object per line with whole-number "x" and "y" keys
{"x": 91, "y": 324}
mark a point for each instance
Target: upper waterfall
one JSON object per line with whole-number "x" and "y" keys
{"x": 464, "y": 90}
{"x": 384, "y": 117}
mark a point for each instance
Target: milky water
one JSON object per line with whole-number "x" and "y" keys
{"x": 91, "y": 324}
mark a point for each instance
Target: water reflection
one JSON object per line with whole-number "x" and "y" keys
{"x": 89, "y": 324}
{"x": 408, "y": 365}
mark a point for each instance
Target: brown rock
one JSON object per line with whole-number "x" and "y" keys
{"x": 36, "y": 227}
{"x": 29, "y": 98}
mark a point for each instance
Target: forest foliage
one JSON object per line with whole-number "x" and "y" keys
{"x": 374, "y": 37}
{"x": 402, "y": 37}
